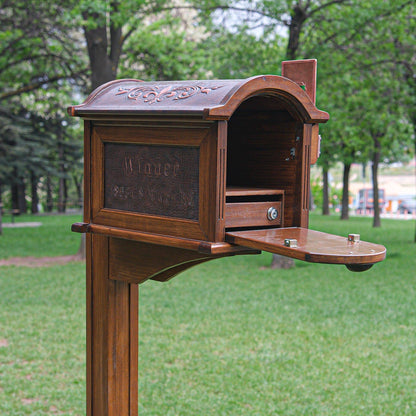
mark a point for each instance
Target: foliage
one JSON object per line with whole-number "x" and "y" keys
{"x": 362, "y": 87}
{"x": 37, "y": 47}
{"x": 242, "y": 54}
{"x": 34, "y": 146}
{"x": 11, "y": 134}
{"x": 360, "y": 83}
{"x": 335, "y": 195}
{"x": 166, "y": 52}
{"x": 23, "y": 146}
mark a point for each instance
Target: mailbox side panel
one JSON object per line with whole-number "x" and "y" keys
{"x": 155, "y": 176}
{"x": 87, "y": 170}
{"x": 303, "y": 178}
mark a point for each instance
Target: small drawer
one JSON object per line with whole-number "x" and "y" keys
{"x": 253, "y": 214}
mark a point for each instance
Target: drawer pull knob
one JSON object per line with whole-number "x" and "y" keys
{"x": 272, "y": 214}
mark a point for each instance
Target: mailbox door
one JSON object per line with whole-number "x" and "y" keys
{"x": 155, "y": 177}
{"x": 310, "y": 245}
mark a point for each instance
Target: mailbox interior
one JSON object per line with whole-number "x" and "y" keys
{"x": 267, "y": 148}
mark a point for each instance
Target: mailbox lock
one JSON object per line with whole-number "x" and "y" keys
{"x": 272, "y": 214}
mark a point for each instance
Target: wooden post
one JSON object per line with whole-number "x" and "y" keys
{"x": 112, "y": 337}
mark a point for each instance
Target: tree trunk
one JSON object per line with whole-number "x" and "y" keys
{"x": 65, "y": 193}
{"x": 345, "y": 192}
{"x": 49, "y": 197}
{"x": 414, "y": 129}
{"x": 34, "y": 193}
{"x": 61, "y": 162}
{"x": 103, "y": 64}
{"x": 374, "y": 171}
{"x": 78, "y": 187}
{"x": 1, "y": 210}
{"x": 325, "y": 192}
{"x": 19, "y": 197}
{"x": 22, "y": 197}
{"x": 62, "y": 195}
{"x": 15, "y": 197}
{"x": 298, "y": 17}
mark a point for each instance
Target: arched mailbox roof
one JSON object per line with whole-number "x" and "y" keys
{"x": 212, "y": 100}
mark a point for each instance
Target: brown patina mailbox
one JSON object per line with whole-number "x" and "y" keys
{"x": 178, "y": 173}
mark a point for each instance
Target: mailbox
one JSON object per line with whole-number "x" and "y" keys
{"x": 181, "y": 172}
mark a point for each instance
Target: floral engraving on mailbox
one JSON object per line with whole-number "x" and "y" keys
{"x": 156, "y": 94}
{"x": 152, "y": 179}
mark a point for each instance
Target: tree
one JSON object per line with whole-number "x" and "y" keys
{"x": 386, "y": 127}
{"x": 44, "y": 63}
{"x": 398, "y": 54}
{"x": 36, "y": 47}
{"x": 136, "y": 37}
{"x": 23, "y": 151}
{"x": 360, "y": 62}
{"x": 37, "y": 57}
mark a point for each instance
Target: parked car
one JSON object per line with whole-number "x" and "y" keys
{"x": 408, "y": 205}
{"x": 366, "y": 200}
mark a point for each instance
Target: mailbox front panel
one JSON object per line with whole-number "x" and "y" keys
{"x": 156, "y": 179}
{"x": 152, "y": 179}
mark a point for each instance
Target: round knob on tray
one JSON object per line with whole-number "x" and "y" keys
{"x": 272, "y": 214}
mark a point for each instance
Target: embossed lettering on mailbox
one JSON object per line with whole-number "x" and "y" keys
{"x": 152, "y": 179}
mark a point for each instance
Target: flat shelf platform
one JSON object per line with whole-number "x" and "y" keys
{"x": 312, "y": 246}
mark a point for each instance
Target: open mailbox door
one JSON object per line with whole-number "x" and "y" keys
{"x": 312, "y": 246}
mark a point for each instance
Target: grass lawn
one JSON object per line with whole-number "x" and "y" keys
{"x": 52, "y": 238}
{"x": 225, "y": 338}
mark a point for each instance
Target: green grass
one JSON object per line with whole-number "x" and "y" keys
{"x": 52, "y": 238}
{"x": 42, "y": 315}
{"x": 227, "y": 337}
